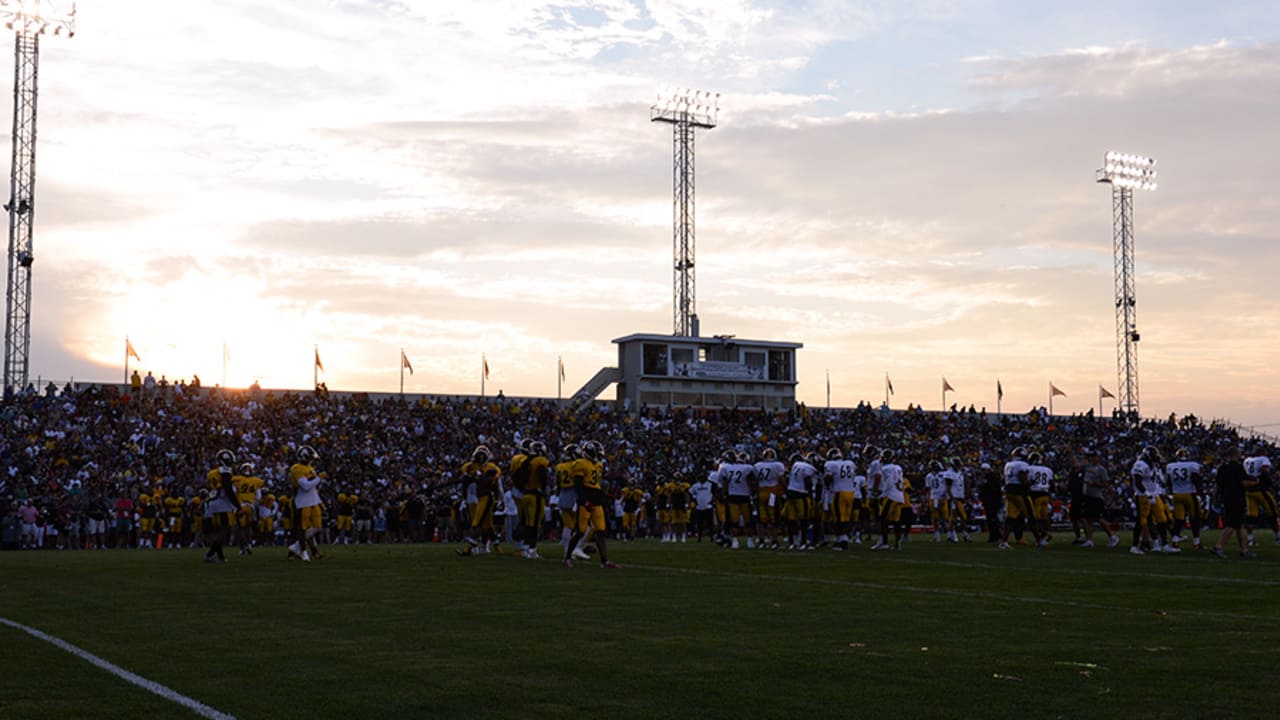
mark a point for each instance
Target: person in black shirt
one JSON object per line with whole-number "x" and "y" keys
{"x": 1233, "y": 482}
{"x": 991, "y": 492}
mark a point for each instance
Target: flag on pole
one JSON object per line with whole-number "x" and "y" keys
{"x": 888, "y": 383}
{"x": 999, "y": 391}
{"x": 319, "y": 365}
{"x": 1054, "y": 391}
{"x": 946, "y": 386}
{"x": 1105, "y": 393}
{"x": 404, "y": 362}
{"x": 485, "y": 362}
{"x": 561, "y": 369}
{"x": 128, "y": 350}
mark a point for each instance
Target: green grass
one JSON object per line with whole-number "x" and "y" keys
{"x": 693, "y": 630}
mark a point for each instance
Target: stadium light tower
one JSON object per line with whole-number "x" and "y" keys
{"x": 684, "y": 110}
{"x": 28, "y": 19}
{"x": 1126, "y": 173}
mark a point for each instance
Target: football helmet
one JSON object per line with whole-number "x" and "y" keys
{"x": 814, "y": 458}
{"x": 744, "y": 457}
{"x": 1182, "y": 455}
{"x": 870, "y": 451}
{"x": 537, "y": 447}
{"x": 245, "y": 469}
{"x": 729, "y": 456}
{"x": 1150, "y": 454}
{"x": 591, "y": 450}
{"x": 307, "y": 454}
{"x": 886, "y": 456}
{"x": 572, "y": 451}
{"x": 225, "y": 458}
{"x": 769, "y": 454}
{"x": 935, "y": 466}
{"x": 481, "y": 455}
{"x": 1020, "y": 453}
{"x": 835, "y": 454}
{"x": 796, "y": 457}
{"x": 1035, "y": 458}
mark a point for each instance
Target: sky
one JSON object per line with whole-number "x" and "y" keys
{"x": 907, "y": 187}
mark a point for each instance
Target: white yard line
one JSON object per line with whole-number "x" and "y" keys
{"x": 156, "y": 688}
{"x": 1075, "y": 571}
{"x": 1006, "y": 597}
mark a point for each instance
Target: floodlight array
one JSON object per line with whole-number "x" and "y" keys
{"x": 26, "y": 16}
{"x": 695, "y": 104}
{"x": 1129, "y": 171}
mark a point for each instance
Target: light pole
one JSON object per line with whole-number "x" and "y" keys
{"x": 28, "y": 22}
{"x": 684, "y": 110}
{"x": 1126, "y": 173}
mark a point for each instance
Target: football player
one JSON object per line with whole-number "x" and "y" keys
{"x": 307, "y": 511}
{"x": 1185, "y": 480}
{"x": 736, "y": 477}
{"x": 841, "y": 474}
{"x": 248, "y": 491}
{"x": 936, "y": 487}
{"x": 678, "y": 496}
{"x": 1016, "y": 501}
{"x": 588, "y": 471}
{"x": 953, "y": 481}
{"x": 481, "y": 472}
{"x": 1259, "y": 498}
{"x": 1039, "y": 483}
{"x": 768, "y": 472}
{"x": 795, "y": 511}
{"x": 220, "y": 510}
{"x": 893, "y": 486}
{"x": 532, "y": 484}
{"x": 1148, "y": 488}
{"x": 567, "y": 496}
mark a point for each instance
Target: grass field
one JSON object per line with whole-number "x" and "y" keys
{"x": 694, "y": 631}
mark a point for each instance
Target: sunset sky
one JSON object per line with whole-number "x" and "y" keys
{"x": 904, "y": 187}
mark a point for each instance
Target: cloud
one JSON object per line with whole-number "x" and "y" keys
{"x": 485, "y": 178}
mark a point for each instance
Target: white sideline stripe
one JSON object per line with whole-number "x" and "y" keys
{"x": 195, "y": 706}
{"x": 1006, "y": 597}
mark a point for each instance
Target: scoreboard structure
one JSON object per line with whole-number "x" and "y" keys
{"x": 697, "y": 372}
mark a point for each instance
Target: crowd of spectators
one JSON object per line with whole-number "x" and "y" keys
{"x": 74, "y": 461}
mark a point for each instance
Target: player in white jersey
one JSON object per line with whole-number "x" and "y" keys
{"x": 861, "y": 508}
{"x": 937, "y": 489}
{"x": 768, "y": 474}
{"x": 1039, "y": 483}
{"x": 1184, "y": 476}
{"x": 841, "y": 473}
{"x": 958, "y": 518}
{"x": 1260, "y": 499}
{"x": 736, "y": 479}
{"x": 795, "y": 512}
{"x": 893, "y": 500}
{"x": 1016, "y": 498}
{"x": 1153, "y": 517}
{"x": 873, "y": 494}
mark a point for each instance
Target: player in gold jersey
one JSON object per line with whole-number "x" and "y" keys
{"x": 567, "y": 495}
{"x": 173, "y": 520}
{"x": 248, "y": 489}
{"x": 588, "y": 472}
{"x": 531, "y": 480}
{"x": 147, "y": 512}
{"x": 485, "y": 474}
